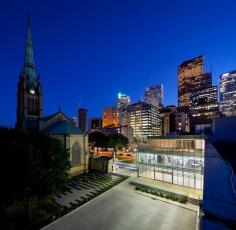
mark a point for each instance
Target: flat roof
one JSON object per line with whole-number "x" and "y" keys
{"x": 177, "y": 137}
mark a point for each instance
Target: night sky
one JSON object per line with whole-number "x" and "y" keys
{"x": 88, "y": 51}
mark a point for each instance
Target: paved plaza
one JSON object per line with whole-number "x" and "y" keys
{"x": 123, "y": 208}
{"x": 84, "y": 186}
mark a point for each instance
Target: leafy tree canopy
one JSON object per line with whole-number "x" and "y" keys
{"x": 117, "y": 141}
{"x": 98, "y": 139}
{"x": 32, "y": 164}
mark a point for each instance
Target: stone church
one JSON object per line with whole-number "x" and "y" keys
{"x": 57, "y": 125}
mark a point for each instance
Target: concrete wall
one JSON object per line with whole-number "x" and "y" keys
{"x": 100, "y": 164}
{"x": 224, "y": 128}
{"x": 83, "y": 142}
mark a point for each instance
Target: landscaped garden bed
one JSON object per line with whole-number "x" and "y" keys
{"x": 163, "y": 194}
{"x": 84, "y": 188}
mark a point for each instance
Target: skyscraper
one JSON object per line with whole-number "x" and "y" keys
{"x": 123, "y": 101}
{"x": 154, "y": 95}
{"x": 144, "y": 119}
{"x": 29, "y": 90}
{"x": 191, "y": 78}
{"x": 110, "y": 117}
{"x": 228, "y": 93}
{"x": 203, "y": 108}
{"x": 204, "y": 102}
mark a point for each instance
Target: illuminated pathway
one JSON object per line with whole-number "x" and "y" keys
{"x": 122, "y": 208}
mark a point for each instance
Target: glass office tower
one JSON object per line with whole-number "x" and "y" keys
{"x": 177, "y": 160}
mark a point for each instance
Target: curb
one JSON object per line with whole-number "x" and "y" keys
{"x": 165, "y": 201}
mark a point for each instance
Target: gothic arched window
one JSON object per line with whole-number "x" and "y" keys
{"x": 76, "y": 153}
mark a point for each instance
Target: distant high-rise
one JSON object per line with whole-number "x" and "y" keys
{"x": 144, "y": 119}
{"x": 228, "y": 93}
{"x": 191, "y": 78}
{"x": 204, "y": 102}
{"x": 95, "y": 124}
{"x": 123, "y": 101}
{"x": 154, "y": 95}
{"x": 29, "y": 90}
{"x": 82, "y": 119}
{"x": 110, "y": 117}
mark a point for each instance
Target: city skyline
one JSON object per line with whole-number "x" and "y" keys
{"x": 62, "y": 72}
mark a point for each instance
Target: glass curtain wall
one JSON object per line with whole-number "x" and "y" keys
{"x": 177, "y": 161}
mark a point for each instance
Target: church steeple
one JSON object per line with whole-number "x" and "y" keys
{"x": 29, "y": 66}
{"x": 29, "y": 90}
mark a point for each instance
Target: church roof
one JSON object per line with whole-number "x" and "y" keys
{"x": 63, "y": 127}
{"x": 46, "y": 118}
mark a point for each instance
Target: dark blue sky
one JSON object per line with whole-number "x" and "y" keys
{"x": 87, "y": 51}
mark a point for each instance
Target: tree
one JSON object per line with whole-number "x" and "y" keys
{"x": 117, "y": 141}
{"x": 32, "y": 165}
{"x": 97, "y": 139}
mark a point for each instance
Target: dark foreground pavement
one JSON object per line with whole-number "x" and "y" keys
{"x": 122, "y": 208}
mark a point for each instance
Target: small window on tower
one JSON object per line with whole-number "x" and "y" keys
{"x": 32, "y": 91}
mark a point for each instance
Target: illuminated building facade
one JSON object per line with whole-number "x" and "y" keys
{"x": 228, "y": 93}
{"x": 144, "y": 119}
{"x": 154, "y": 95}
{"x": 203, "y": 108}
{"x": 123, "y": 101}
{"x": 110, "y": 117}
{"x": 29, "y": 90}
{"x": 177, "y": 160}
{"x": 204, "y": 102}
{"x": 182, "y": 120}
{"x": 191, "y": 78}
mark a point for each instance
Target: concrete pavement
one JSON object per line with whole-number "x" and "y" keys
{"x": 123, "y": 208}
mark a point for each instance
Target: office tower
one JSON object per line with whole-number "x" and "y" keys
{"x": 154, "y": 95}
{"x": 82, "y": 119}
{"x": 29, "y": 90}
{"x": 123, "y": 101}
{"x": 204, "y": 108}
{"x": 110, "y": 117}
{"x": 191, "y": 78}
{"x": 182, "y": 120}
{"x": 228, "y": 93}
{"x": 144, "y": 119}
{"x": 204, "y": 102}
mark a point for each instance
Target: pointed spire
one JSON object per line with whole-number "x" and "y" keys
{"x": 29, "y": 68}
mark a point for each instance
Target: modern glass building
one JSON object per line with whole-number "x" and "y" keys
{"x": 228, "y": 93}
{"x": 177, "y": 160}
{"x": 204, "y": 102}
{"x": 154, "y": 95}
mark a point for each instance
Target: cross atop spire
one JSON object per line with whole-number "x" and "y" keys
{"x": 29, "y": 67}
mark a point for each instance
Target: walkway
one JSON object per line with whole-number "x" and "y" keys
{"x": 123, "y": 208}
{"x": 219, "y": 201}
